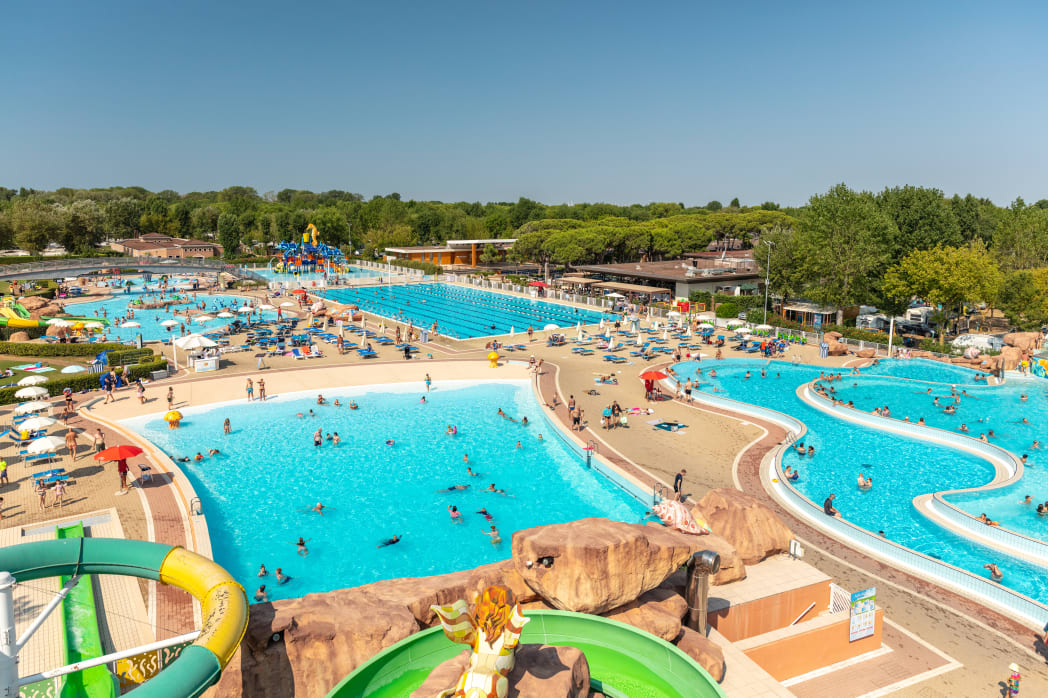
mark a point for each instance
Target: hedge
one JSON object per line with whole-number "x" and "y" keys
{"x": 83, "y": 381}
{"x": 56, "y": 349}
{"x": 33, "y": 332}
{"x": 726, "y": 310}
{"x": 129, "y": 356}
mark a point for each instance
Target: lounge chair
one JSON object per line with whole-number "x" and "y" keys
{"x": 365, "y": 354}
{"x": 315, "y": 353}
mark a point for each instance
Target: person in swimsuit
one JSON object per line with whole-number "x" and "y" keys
{"x": 262, "y": 571}
{"x": 494, "y": 535}
{"x": 226, "y": 427}
{"x": 473, "y": 474}
{"x": 319, "y": 508}
{"x": 456, "y": 515}
{"x": 389, "y": 541}
{"x": 492, "y": 488}
{"x": 487, "y": 515}
{"x": 59, "y": 494}
{"x": 995, "y": 571}
{"x": 250, "y": 390}
{"x": 454, "y": 488}
{"x": 260, "y": 595}
{"x": 302, "y": 549}
{"x": 281, "y": 577}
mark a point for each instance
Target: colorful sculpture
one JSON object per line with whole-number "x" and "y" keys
{"x": 493, "y": 631}
{"x": 310, "y": 255}
{"x": 493, "y": 359}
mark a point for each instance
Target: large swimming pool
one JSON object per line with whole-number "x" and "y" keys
{"x": 116, "y": 306}
{"x": 257, "y": 493}
{"x": 462, "y": 312}
{"x": 902, "y": 468}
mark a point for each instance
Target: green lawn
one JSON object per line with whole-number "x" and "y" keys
{"x": 58, "y": 362}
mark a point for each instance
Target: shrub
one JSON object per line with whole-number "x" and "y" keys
{"x": 726, "y": 310}
{"x": 45, "y": 350}
{"x": 84, "y": 381}
{"x": 129, "y": 356}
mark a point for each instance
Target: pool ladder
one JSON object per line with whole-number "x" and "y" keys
{"x": 591, "y": 448}
{"x": 196, "y": 507}
{"x": 659, "y": 492}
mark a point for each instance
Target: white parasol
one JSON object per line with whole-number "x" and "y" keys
{"x": 46, "y": 444}
{"x": 169, "y": 323}
{"x": 35, "y": 406}
{"x": 37, "y": 423}
{"x": 73, "y": 369}
{"x": 203, "y": 318}
{"x": 266, "y": 306}
{"x": 32, "y": 380}
{"x": 33, "y": 391}
{"x": 225, "y": 314}
{"x": 245, "y": 309}
{"x": 59, "y": 322}
{"x": 194, "y": 341}
{"x": 288, "y": 304}
{"x": 131, "y": 323}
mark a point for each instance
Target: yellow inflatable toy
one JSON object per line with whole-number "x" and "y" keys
{"x": 493, "y": 357}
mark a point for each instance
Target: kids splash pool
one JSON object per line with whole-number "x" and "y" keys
{"x": 258, "y": 492}
{"x": 901, "y": 467}
{"x": 462, "y": 312}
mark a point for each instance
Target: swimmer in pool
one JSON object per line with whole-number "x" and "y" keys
{"x": 423, "y": 400}
{"x": 964, "y": 428}
{"x": 494, "y": 535}
{"x": 487, "y": 516}
{"x": 865, "y": 483}
{"x": 321, "y": 400}
{"x": 540, "y": 437}
{"x": 302, "y": 549}
{"x": 352, "y": 405}
{"x": 492, "y": 488}
{"x": 281, "y": 577}
{"x": 456, "y": 515}
{"x": 455, "y": 488}
{"x": 262, "y": 571}
{"x": 319, "y": 508}
{"x": 524, "y": 422}
{"x": 213, "y": 452}
{"x": 336, "y": 403}
{"x": 988, "y": 521}
{"x": 260, "y": 595}
{"x": 389, "y": 541}
{"x": 995, "y": 571}
{"x": 471, "y": 473}
{"x": 198, "y": 456}
{"x": 390, "y": 442}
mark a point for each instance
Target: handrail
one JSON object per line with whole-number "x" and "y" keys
{"x": 210, "y": 264}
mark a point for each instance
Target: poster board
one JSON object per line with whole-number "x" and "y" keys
{"x": 863, "y": 614}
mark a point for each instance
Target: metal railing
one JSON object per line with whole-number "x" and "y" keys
{"x": 96, "y": 263}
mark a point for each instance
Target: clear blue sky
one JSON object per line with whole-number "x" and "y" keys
{"x": 558, "y": 101}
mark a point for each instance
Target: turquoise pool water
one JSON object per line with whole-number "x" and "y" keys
{"x": 901, "y": 468}
{"x": 984, "y": 408}
{"x": 922, "y": 370}
{"x": 257, "y": 493}
{"x": 117, "y": 305}
{"x": 462, "y": 312}
{"x": 355, "y": 272}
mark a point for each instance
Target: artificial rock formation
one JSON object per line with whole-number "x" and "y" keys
{"x": 593, "y": 565}
{"x": 658, "y": 612}
{"x": 747, "y": 524}
{"x": 1024, "y": 340}
{"x": 837, "y": 349}
{"x": 19, "y": 336}
{"x": 702, "y": 650}
{"x": 540, "y": 670}
{"x": 305, "y": 646}
{"x": 866, "y": 353}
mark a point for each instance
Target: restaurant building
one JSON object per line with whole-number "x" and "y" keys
{"x": 453, "y": 252}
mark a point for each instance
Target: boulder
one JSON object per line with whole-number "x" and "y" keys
{"x": 837, "y": 349}
{"x": 538, "y": 670}
{"x": 19, "y": 337}
{"x": 1010, "y": 358}
{"x": 419, "y": 593}
{"x": 55, "y": 331}
{"x": 307, "y": 645}
{"x": 596, "y": 564}
{"x": 658, "y": 612}
{"x": 832, "y": 336}
{"x": 746, "y": 523}
{"x": 866, "y": 353}
{"x": 33, "y": 303}
{"x": 1024, "y": 340}
{"x": 702, "y": 650}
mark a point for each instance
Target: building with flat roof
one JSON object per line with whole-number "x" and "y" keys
{"x": 732, "y": 275}
{"x": 160, "y": 245}
{"x": 463, "y": 252}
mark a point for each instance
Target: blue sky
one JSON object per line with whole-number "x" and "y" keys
{"x": 558, "y": 101}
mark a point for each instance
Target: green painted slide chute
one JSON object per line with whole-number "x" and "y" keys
{"x": 20, "y": 310}
{"x": 624, "y": 662}
{"x": 196, "y": 668}
{"x": 82, "y": 639}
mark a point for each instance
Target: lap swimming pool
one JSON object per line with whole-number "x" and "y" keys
{"x": 462, "y": 312}
{"x": 901, "y": 467}
{"x": 257, "y": 493}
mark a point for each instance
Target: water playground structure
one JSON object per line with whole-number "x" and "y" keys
{"x": 309, "y": 256}
{"x": 75, "y": 559}
{"x": 13, "y": 314}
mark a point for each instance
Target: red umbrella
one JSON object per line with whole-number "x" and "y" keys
{"x": 118, "y": 452}
{"x": 653, "y": 375}
{"x": 540, "y": 284}
{"x": 299, "y": 292}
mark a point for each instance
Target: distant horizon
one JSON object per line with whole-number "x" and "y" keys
{"x": 556, "y": 102}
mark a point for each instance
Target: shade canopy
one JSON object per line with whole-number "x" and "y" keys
{"x": 288, "y": 304}
{"x": 202, "y": 318}
{"x": 33, "y": 391}
{"x": 73, "y": 369}
{"x": 132, "y": 323}
{"x": 298, "y": 292}
{"x": 764, "y": 327}
{"x": 266, "y": 306}
{"x": 653, "y": 375}
{"x": 37, "y": 423}
{"x": 35, "y": 406}
{"x": 118, "y": 452}
{"x": 225, "y": 314}
{"x": 59, "y": 322}
{"x": 245, "y": 309}
{"x": 32, "y": 380}
{"x": 539, "y": 284}
{"x": 93, "y": 325}
{"x": 45, "y": 444}
{"x": 169, "y": 323}
{"x": 195, "y": 341}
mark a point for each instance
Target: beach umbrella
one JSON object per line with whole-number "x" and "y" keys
{"x": 130, "y": 324}
{"x": 202, "y": 318}
{"x": 93, "y": 325}
{"x": 45, "y": 444}
{"x": 73, "y": 369}
{"x": 288, "y": 304}
{"x": 639, "y": 342}
{"x": 59, "y": 322}
{"x": 194, "y": 341}
{"x": 32, "y": 380}
{"x": 673, "y": 313}
{"x": 35, "y": 406}
{"x": 245, "y": 309}
{"x": 601, "y": 323}
{"x": 653, "y": 375}
{"x": 121, "y": 452}
{"x": 225, "y": 314}
{"x": 298, "y": 292}
{"x": 665, "y": 334}
{"x": 706, "y": 325}
{"x": 512, "y": 331}
{"x": 764, "y": 328}
{"x": 550, "y": 327}
{"x": 169, "y": 323}
{"x": 37, "y": 423}
{"x": 33, "y": 391}
{"x": 267, "y": 306}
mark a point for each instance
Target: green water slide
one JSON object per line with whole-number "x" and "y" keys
{"x": 82, "y": 639}
{"x": 624, "y": 662}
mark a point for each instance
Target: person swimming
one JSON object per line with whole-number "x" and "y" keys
{"x": 260, "y": 595}
{"x": 198, "y": 456}
{"x": 487, "y": 516}
{"x": 389, "y": 541}
{"x": 995, "y": 571}
{"x": 471, "y": 473}
{"x": 301, "y": 543}
{"x": 494, "y": 535}
{"x": 281, "y": 577}
{"x": 492, "y": 488}
{"x": 390, "y": 442}
{"x": 456, "y": 515}
{"x": 262, "y": 571}
{"x": 319, "y": 508}
{"x": 455, "y": 488}
{"x": 213, "y": 452}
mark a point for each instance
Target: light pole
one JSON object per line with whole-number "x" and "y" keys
{"x": 767, "y": 278}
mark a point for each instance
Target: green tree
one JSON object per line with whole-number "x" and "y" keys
{"x": 229, "y": 233}
{"x": 204, "y": 222}
{"x": 922, "y": 216}
{"x": 83, "y": 226}
{"x": 735, "y": 203}
{"x": 35, "y": 224}
{"x": 714, "y": 206}
{"x": 490, "y": 255}
{"x": 844, "y": 243}
{"x": 122, "y": 216}
{"x": 1021, "y": 239}
{"x": 1024, "y": 298}
{"x": 181, "y": 216}
{"x": 947, "y": 277}
{"x": 333, "y": 227}
{"x": 377, "y": 240}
